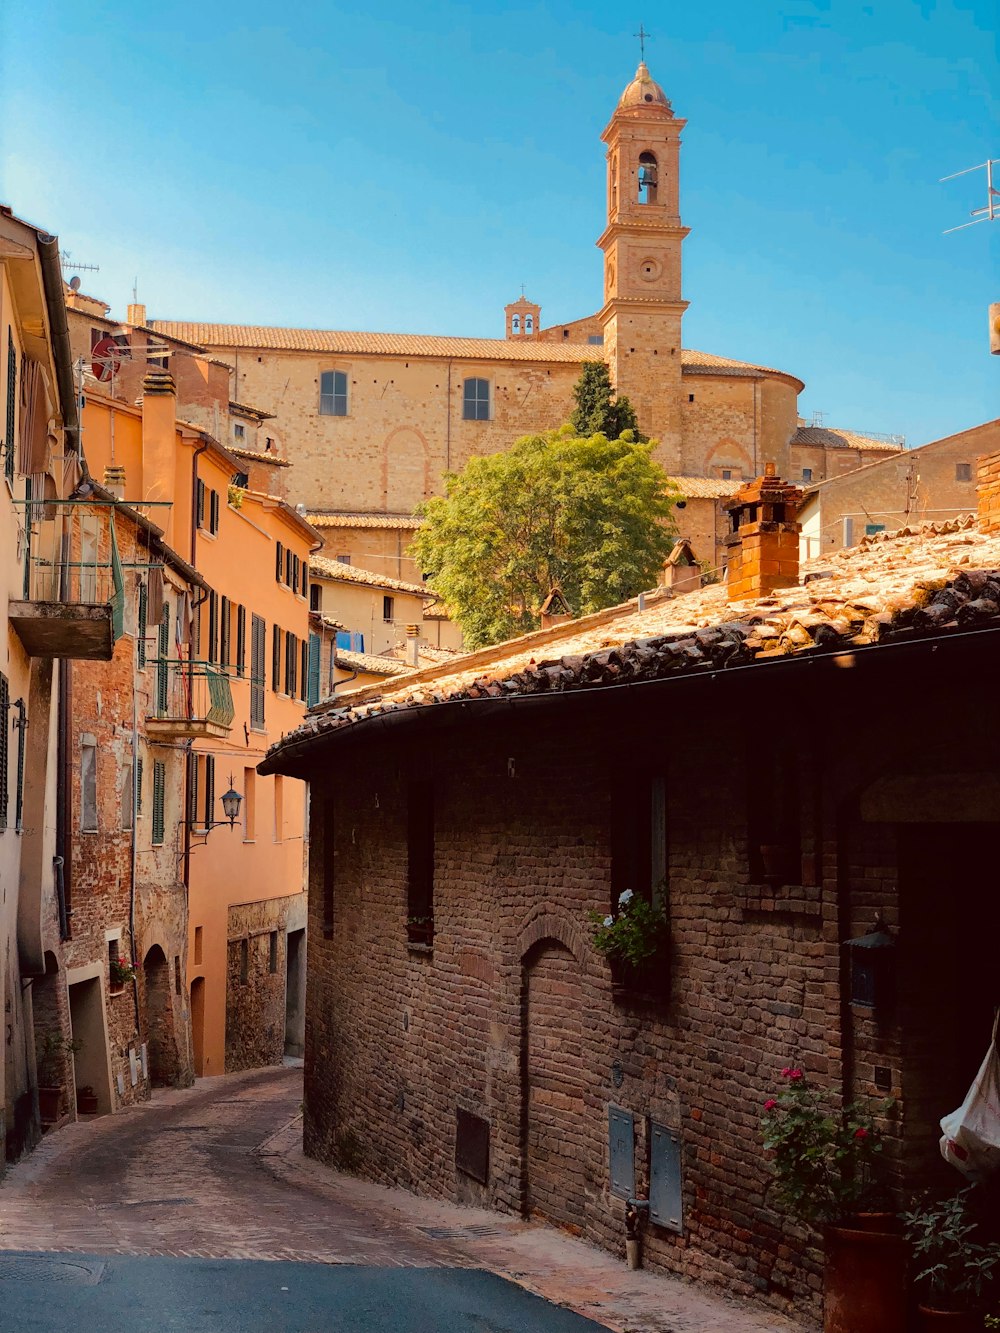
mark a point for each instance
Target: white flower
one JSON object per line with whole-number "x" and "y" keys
{"x": 625, "y": 898}
{"x": 609, "y": 921}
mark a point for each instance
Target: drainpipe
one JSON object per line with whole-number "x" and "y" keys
{"x": 64, "y": 846}
{"x": 194, "y": 607}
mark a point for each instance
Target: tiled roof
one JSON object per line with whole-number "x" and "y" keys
{"x": 829, "y": 437}
{"x": 705, "y": 488}
{"x": 405, "y": 522}
{"x": 243, "y": 410}
{"x": 258, "y": 456}
{"x": 370, "y": 663}
{"x": 337, "y": 341}
{"x": 911, "y": 583}
{"x": 341, "y": 573}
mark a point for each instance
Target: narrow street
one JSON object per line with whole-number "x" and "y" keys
{"x": 197, "y": 1211}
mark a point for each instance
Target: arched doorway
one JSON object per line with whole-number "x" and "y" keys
{"x": 198, "y": 1024}
{"x": 556, "y": 1173}
{"x": 164, "y": 1067}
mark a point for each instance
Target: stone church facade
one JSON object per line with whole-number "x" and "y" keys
{"x": 372, "y": 421}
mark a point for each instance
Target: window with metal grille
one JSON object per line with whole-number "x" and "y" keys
{"x": 276, "y": 660}
{"x": 476, "y": 400}
{"x": 333, "y": 393}
{"x": 88, "y": 786}
{"x": 420, "y": 863}
{"x": 159, "y": 795}
{"x": 258, "y": 637}
{"x": 4, "y": 749}
{"x": 241, "y": 640}
{"x": 8, "y": 442}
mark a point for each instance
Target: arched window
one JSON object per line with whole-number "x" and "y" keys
{"x": 529, "y": 323}
{"x": 476, "y": 400}
{"x": 333, "y": 393}
{"x": 515, "y": 323}
{"x": 647, "y": 178}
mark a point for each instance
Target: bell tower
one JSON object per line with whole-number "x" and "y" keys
{"x": 642, "y": 311}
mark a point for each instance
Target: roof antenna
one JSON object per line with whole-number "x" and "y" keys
{"x": 992, "y": 209}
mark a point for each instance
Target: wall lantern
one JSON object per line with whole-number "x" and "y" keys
{"x": 873, "y": 968}
{"x": 231, "y": 802}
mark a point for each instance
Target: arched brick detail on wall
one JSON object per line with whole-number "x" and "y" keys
{"x": 727, "y": 451}
{"x": 546, "y": 923}
{"x": 406, "y": 474}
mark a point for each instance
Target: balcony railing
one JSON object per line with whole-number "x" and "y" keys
{"x": 72, "y": 588}
{"x": 190, "y": 699}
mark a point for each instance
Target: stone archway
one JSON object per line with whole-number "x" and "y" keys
{"x": 164, "y": 1065}
{"x": 556, "y": 1169}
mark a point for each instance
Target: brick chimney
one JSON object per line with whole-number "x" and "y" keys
{"x": 136, "y": 315}
{"x": 159, "y": 446}
{"x": 988, "y": 468}
{"x": 764, "y": 543}
{"x": 114, "y": 480}
{"x": 555, "y": 609}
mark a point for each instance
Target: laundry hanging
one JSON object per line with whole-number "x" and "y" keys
{"x": 971, "y": 1139}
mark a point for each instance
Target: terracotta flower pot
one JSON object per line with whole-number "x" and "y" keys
{"x": 864, "y": 1279}
{"x": 949, "y": 1321}
{"x": 50, "y": 1104}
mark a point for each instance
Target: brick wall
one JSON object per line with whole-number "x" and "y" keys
{"x": 511, "y": 1016}
{"x": 988, "y": 490}
{"x": 255, "y": 983}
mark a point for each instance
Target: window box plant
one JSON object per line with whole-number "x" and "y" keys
{"x": 122, "y": 971}
{"x": 957, "y": 1274}
{"x": 826, "y": 1176}
{"x": 634, "y": 939}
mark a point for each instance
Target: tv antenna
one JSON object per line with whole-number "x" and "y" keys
{"x": 991, "y": 211}
{"x": 69, "y": 262}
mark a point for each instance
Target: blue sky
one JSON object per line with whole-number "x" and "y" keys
{"x": 406, "y": 167}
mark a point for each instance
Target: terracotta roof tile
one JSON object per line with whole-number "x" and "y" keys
{"x": 370, "y": 663}
{"x": 259, "y": 456}
{"x": 339, "y": 341}
{"x": 829, "y": 437}
{"x": 706, "y": 488}
{"x": 343, "y": 573}
{"x": 405, "y": 522}
{"x": 916, "y": 581}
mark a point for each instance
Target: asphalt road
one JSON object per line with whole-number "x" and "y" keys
{"x": 51, "y": 1293}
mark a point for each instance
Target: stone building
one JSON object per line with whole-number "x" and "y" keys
{"x": 372, "y": 421}
{"x": 927, "y": 485}
{"x": 465, "y": 1038}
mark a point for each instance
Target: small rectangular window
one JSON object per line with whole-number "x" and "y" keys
{"x": 807, "y": 474}
{"x": 240, "y": 432}
{"x": 88, "y": 786}
{"x": 198, "y": 944}
{"x": 333, "y": 393}
{"x": 315, "y": 593}
{"x": 343, "y": 559}
{"x": 159, "y": 798}
{"x": 249, "y": 803}
{"x": 774, "y": 814}
{"x": 387, "y": 610}
{"x": 476, "y": 400}
{"x": 963, "y": 471}
{"x": 272, "y": 951}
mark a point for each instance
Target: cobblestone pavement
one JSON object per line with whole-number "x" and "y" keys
{"x": 217, "y": 1171}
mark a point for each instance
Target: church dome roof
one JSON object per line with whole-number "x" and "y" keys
{"x": 643, "y": 91}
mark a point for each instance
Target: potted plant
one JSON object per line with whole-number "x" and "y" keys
{"x": 420, "y": 930}
{"x": 956, "y": 1272}
{"x": 122, "y": 972}
{"x": 826, "y": 1176}
{"x": 51, "y": 1074}
{"x": 634, "y": 940}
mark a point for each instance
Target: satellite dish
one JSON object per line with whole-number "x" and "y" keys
{"x": 74, "y": 284}
{"x": 105, "y": 359}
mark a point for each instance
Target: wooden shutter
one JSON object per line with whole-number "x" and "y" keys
{"x": 312, "y": 678}
{"x": 279, "y": 561}
{"x": 276, "y": 661}
{"x": 303, "y": 668}
{"x": 159, "y": 792}
{"x": 213, "y": 511}
{"x": 258, "y": 648}
{"x": 209, "y": 790}
{"x": 200, "y": 492}
{"x": 241, "y": 640}
{"x": 213, "y": 626}
{"x": 140, "y": 646}
{"x": 224, "y": 631}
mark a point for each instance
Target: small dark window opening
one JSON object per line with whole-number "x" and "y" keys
{"x": 272, "y": 951}
{"x": 774, "y": 817}
{"x": 314, "y": 597}
{"x": 638, "y": 838}
{"x": 420, "y": 863}
{"x": 648, "y": 178}
{"x": 387, "y": 609}
{"x": 690, "y": 397}
{"x": 963, "y": 471}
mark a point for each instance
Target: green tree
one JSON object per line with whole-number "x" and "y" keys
{"x": 591, "y": 516}
{"x": 597, "y": 409}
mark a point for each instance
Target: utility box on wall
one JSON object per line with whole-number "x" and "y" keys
{"x": 665, "y": 1181}
{"x": 621, "y": 1151}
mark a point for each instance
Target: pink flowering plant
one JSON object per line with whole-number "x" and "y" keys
{"x": 122, "y": 971}
{"x": 825, "y": 1160}
{"x": 634, "y": 934}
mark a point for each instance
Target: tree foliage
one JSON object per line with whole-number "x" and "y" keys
{"x": 591, "y": 516}
{"x": 597, "y": 409}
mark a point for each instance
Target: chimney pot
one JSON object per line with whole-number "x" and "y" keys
{"x": 764, "y": 544}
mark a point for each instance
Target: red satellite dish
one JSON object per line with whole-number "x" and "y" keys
{"x": 105, "y": 359}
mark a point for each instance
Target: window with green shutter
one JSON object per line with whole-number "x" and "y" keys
{"x": 258, "y": 650}
{"x": 162, "y": 669}
{"x": 159, "y": 794}
{"x": 140, "y": 646}
{"x": 312, "y": 678}
{"x": 209, "y": 790}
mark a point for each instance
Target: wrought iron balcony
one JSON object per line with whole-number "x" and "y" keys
{"x": 191, "y": 699}
{"x": 73, "y": 589}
